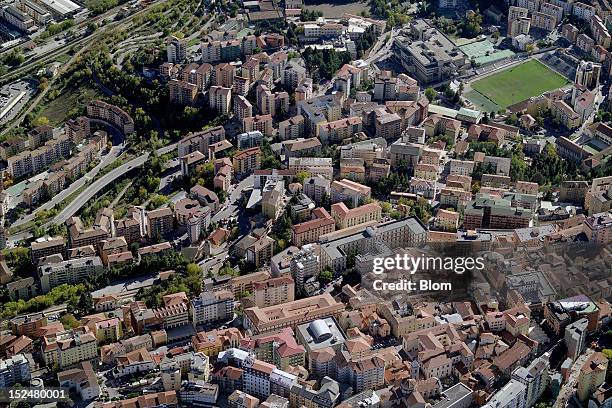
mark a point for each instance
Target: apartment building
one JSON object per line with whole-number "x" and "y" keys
{"x": 111, "y": 114}
{"x": 326, "y": 396}
{"x": 77, "y": 129}
{"x": 302, "y": 147}
{"x": 212, "y": 307}
{"x": 182, "y": 92}
{"x": 200, "y": 141}
{"x": 71, "y": 271}
{"x": 80, "y": 236}
{"x": 39, "y": 135}
{"x": 343, "y": 190}
{"x": 316, "y": 166}
{"x": 310, "y": 231}
{"x": 292, "y": 128}
{"x": 461, "y": 167}
{"x": 131, "y": 227}
{"x": 47, "y": 246}
{"x": 260, "y": 123}
{"x": 328, "y": 30}
{"x": 35, "y": 161}
{"x": 368, "y": 150}
{"x": 336, "y": 131}
{"x": 447, "y": 220}
{"x": 387, "y": 125}
{"x": 11, "y": 147}
{"x": 317, "y": 188}
{"x": 160, "y": 222}
{"x": 326, "y": 108}
{"x": 242, "y": 108}
{"x": 511, "y": 395}
{"x": 598, "y": 228}
{"x": 176, "y": 50}
{"x": 27, "y": 325}
{"x": 220, "y": 99}
{"x": 247, "y": 161}
{"x": 211, "y": 343}
{"x": 274, "y": 291}
{"x": 600, "y": 32}
{"x": 346, "y": 218}
{"x": 544, "y": 21}
{"x": 440, "y": 125}
{"x": 293, "y": 74}
{"x": 69, "y": 347}
{"x": 14, "y": 370}
{"x": 280, "y": 349}
{"x": 428, "y": 172}
{"x": 492, "y": 212}
{"x": 592, "y": 375}
{"x": 518, "y": 21}
{"x": 261, "y": 251}
{"x": 403, "y": 152}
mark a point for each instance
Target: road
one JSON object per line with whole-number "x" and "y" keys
{"x": 214, "y": 262}
{"x": 231, "y": 208}
{"x": 102, "y": 182}
{"x": 127, "y": 287}
{"x": 58, "y": 198}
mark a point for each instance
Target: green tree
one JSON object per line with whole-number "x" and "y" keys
{"x": 301, "y": 176}
{"x": 85, "y": 303}
{"x": 69, "y": 321}
{"x": 431, "y": 94}
{"x": 325, "y": 276}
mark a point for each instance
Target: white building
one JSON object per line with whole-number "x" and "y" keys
{"x": 211, "y": 307}
{"x": 14, "y": 370}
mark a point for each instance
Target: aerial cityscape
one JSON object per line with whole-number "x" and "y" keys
{"x": 306, "y": 203}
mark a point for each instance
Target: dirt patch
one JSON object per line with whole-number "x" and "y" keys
{"x": 336, "y": 10}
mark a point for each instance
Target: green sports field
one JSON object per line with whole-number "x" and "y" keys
{"x": 518, "y": 83}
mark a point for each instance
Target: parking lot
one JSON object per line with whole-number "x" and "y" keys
{"x": 13, "y": 98}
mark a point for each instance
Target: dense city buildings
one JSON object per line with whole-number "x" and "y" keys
{"x": 285, "y": 205}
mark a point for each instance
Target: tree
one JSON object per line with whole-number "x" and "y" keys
{"x": 193, "y": 269}
{"x": 69, "y": 321}
{"x": 300, "y": 176}
{"x": 41, "y": 121}
{"x": 85, "y": 304}
{"x": 43, "y": 84}
{"x": 325, "y": 276}
{"x": 431, "y": 94}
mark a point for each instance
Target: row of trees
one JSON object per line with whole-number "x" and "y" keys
{"x": 69, "y": 294}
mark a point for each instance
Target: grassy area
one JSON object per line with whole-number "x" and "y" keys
{"x": 518, "y": 83}
{"x": 57, "y": 110}
{"x": 63, "y": 58}
{"x": 481, "y": 102}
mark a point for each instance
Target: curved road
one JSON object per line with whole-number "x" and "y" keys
{"x": 104, "y": 181}
{"x": 62, "y": 195}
